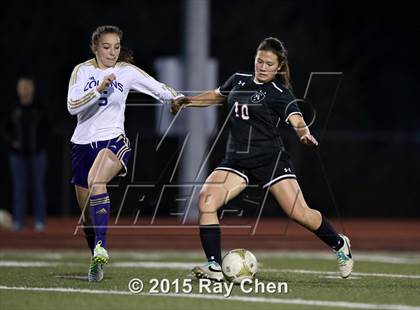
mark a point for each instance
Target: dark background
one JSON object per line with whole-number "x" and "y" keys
{"x": 367, "y": 163}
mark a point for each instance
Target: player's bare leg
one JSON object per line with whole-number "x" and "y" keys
{"x": 105, "y": 167}
{"x": 289, "y": 195}
{"x": 220, "y": 187}
{"x": 82, "y": 195}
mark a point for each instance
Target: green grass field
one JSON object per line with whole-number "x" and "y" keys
{"x": 57, "y": 280}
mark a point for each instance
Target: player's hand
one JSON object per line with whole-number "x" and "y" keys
{"x": 309, "y": 140}
{"x": 177, "y": 104}
{"x": 108, "y": 79}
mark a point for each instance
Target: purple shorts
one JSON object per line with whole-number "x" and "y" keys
{"x": 83, "y": 156}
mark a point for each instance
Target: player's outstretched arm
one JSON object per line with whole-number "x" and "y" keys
{"x": 302, "y": 130}
{"x": 202, "y": 100}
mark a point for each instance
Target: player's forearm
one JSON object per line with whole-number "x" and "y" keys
{"x": 299, "y": 125}
{"x": 205, "y": 99}
{"x": 78, "y": 101}
{"x": 146, "y": 84}
{"x": 163, "y": 92}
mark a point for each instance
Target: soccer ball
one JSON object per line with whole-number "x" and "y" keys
{"x": 5, "y": 219}
{"x": 238, "y": 265}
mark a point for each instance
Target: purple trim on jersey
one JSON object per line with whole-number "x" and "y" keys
{"x": 83, "y": 156}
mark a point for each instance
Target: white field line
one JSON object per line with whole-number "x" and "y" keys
{"x": 178, "y": 265}
{"x": 389, "y": 258}
{"x": 71, "y": 277}
{"x": 190, "y": 265}
{"x": 360, "y": 257}
{"x": 331, "y": 273}
{"x": 321, "y": 255}
{"x": 297, "y": 301}
{"x": 155, "y": 265}
{"x": 12, "y": 263}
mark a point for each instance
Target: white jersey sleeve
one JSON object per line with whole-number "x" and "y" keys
{"x": 77, "y": 98}
{"x": 146, "y": 84}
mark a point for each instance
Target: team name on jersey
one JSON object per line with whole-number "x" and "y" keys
{"x": 93, "y": 83}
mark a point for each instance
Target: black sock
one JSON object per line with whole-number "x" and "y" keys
{"x": 210, "y": 240}
{"x": 90, "y": 236}
{"x": 326, "y": 233}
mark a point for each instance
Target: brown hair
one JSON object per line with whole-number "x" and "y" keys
{"x": 126, "y": 55}
{"x": 275, "y": 46}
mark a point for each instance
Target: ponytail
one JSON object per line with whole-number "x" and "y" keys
{"x": 284, "y": 73}
{"x": 126, "y": 55}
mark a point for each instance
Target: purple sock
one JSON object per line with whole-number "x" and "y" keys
{"x": 99, "y": 213}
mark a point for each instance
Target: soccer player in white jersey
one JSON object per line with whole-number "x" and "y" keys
{"x": 97, "y": 94}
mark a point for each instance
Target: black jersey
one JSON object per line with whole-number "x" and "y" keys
{"x": 257, "y": 112}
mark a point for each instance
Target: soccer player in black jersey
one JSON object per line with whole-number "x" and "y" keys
{"x": 255, "y": 153}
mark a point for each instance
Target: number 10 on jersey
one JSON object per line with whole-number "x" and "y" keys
{"x": 241, "y": 111}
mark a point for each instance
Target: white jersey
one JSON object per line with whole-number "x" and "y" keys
{"x": 100, "y": 116}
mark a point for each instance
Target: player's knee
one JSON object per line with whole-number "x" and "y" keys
{"x": 96, "y": 186}
{"x": 207, "y": 202}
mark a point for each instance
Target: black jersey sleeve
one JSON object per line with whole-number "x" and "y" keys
{"x": 291, "y": 108}
{"x": 227, "y": 86}
{"x": 285, "y": 104}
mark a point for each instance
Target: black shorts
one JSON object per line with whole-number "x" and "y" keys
{"x": 264, "y": 170}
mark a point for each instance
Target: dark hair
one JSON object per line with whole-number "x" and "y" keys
{"x": 26, "y": 78}
{"x": 126, "y": 55}
{"x": 275, "y": 46}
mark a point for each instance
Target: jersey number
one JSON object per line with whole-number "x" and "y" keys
{"x": 103, "y": 101}
{"x": 241, "y": 111}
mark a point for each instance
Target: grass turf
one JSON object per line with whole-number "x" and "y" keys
{"x": 65, "y": 270}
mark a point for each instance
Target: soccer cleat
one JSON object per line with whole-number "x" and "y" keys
{"x": 100, "y": 255}
{"x": 96, "y": 272}
{"x": 211, "y": 270}
{"x": 344, "y": 258}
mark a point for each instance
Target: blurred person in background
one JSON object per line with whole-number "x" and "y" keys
{"x": 25, "y": 131}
